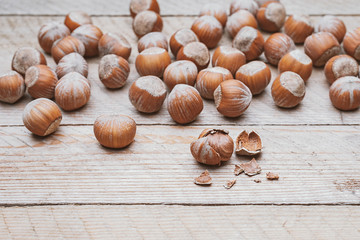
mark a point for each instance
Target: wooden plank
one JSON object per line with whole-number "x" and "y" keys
{"x": 180, "y": 222}
{"x": 315, "y": 109}
{"x": 317, "y": 165}
{"x": 168, "y": 7}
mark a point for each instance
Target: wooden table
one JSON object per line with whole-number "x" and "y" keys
{"x": 66, "y": 186}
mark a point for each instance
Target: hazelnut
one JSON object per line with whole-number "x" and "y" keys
{"x": 196, "y": 52}
{"x": 184, "y": 104}
{"x": 40, "y": 81}
{"x": 209, "y": 79}
{"x": 351, "y": 43}
{"x": 250, "y": 41}
{"x": 113, "y": 71}
{"x": 137, "y": 6}
{"x": 72, "y": 62}
{"x": 51, "y": 32}
{"x": 261, "y": 2}
{"x": 298, "y": 27}
{"x": 229, "y": 58}
{"x": 298, "y": 62}
{"x": 255, "y": 75}
{"x": 232, "y": 98}
{"x": 12, "y": 87}
{"x": 212, "y": 147}
{"x": 180, "y": 72}
{"x": 215, "y": 10}
{"x": 115, "y": 131}
{"x": 249, "y": 5}
{"x": 340, "y": 66}
{"x": 239, "y": 20}
{"x": 203, "y": 179}
{"x": 180, "y": 38}
{"x": 89, "y": 35}
{"x": 26, "y": 57}
{"x": 72, "y": 91}
{"x": 65, "y": 46}
{"x": 271, "y": 16}
{"x": 147, "y": 94}
{"x": 276, "y": 46}
{"x": 152, "y": 61}
{"x": 248, "y": 144}
{"x": 145, "y": 22}
{"x": 320, "y": 47}
{"x": 288, "y": 90}
{"x": 111, "y": 43}
{"x": 42, "y": 116}
{"x": 208, "y": 29}
{"x": 75, "y": 19}
{"x": 333, "y": 25}
{"x": 345, "y": 93}
{"x": 152, "y": 39}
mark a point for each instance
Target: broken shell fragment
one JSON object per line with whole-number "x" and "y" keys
{"x": 238, "y": 170}
{"x": 203, "y": 179}
{"x": 229, "y": 184}
{"x": 248, "y": 144}
{"x": 251, "y": 168}
{"x": 272, "y": 176}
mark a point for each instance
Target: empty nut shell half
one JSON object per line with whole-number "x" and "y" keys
{"x": 248, "y": 144}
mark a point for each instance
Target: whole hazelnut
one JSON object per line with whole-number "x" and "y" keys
{"x": 249, "y": 5}
{"x": 181, "y": 38}
{"x": 320, "y": 47}
{"x": 351, "y": 43}
{"x": 42, "y": 116}
{"x": 340, "y": 66}
{"x": 250, "y": 41}
{"x": 209, "y": 79}
{"x": 261, "y": 2}
{"x": 298, "y": 27}
{"x": 345, "y": 93}
{"x": 72, "y": 91}
{"x": 180, "y": 72}
{"x": 145, "y": 22}
{"x": 137, "y": 6}
{"x": 152, "y": 61}
{"x": 196, "y": 52}
{"x": 298, "y": 62}
{"x": 232, "y": 98}
{"x": 256, "y": 75}
{"x": 288, "y": 90}
{"x": 271, "y": 16}
{"x": 208, "y": 29}
{"x": 65, "y": 46}
{"x": 40, "y": 81}
{"x": 147, "y": 94}
{"x": 215, "y": 10}
{"x": 276, "y": 46}
{"x": 111, "y": 43}
{"x": 49, "y": 33}
{"x": 239, "y": 20}
{"x": 113, "y": 71}
{"x": 184, "y": 103}
{"x": 227, "y": 57}
{"x": 212, "y": 147}
{"x": 333, "y": 25}
{"x": 26, "y": 57}
{"x": 89, "y": 35}
{"x": 153, "y": 39}
{"x": 12, "y": 87}
{"x": 72, "y": 62}
{"x": 115, "y": 131}
{"x": 75, "y": 19}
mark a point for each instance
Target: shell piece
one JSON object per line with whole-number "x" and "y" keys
{"x": 238, "y": 170}
{"x": 248, "y": 144}
{"x": 251, "y": 168}
{"x": 203, "y": 179}
{"x": 229, "y": 184}
{"x": 272, "y": 176}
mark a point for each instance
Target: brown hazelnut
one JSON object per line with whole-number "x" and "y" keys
{"x": 288, "y": 90}
{"x": 215, "y": 10}
{"x": 180, "y": 72}
{"x": 208, "y": 29}
{"x": 261, "y": 2}
{"x": 26, "y": 57}
{"x": 12, "y": 87}
{"x": 249, "y": 5}
{"x": 147, "y": 94}
{"x": 65, "y": 46}
{"x": 89, "y": 35}
{"x": 40, "y": 81}
{"x": 345, "y": 93}
{"x": 232, "y": 98}
{"x": 351, "y": 43}
{"x": 333, "y": 25}
{"x": 180, "y": 38}
{"x": 227, "y": 57}
{"x": 184, "y": 103}
{"x": 298, "y": 62}
{"x": 111, "y": 43}
{"x": 75, "y": 19}
{"x": 276, "y": 46}
{"x": 239, "y": 20}
{"x": 250, "y": 41}
{"x": 340, "y": 66}
{"x": 137, "y": 6}
{"x": 271, "y": 16}
{"x": 298, "y": 27}
{"x": 152, "y": 39}
{"x": 113, "y": 71}
{"x": 72, "y": 62}
{"x": 196, "y": 52}
{"x": 152, "y": 61}
{"x": 49, "y": 33}
{"x": 145, "y": 22}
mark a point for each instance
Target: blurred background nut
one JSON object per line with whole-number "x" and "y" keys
{"x": 250, "y": 41}
{"x": 298, "y": 62}
{"x": 276, "y": 46}
{"x": 49, "y": 33}
{"x": 298, "y": 27}
{"x": 249, "y": 5}
{"x": 75, "y": 19}
{"x": 152, "y": 61}
{"x": 137, "y": 6}
{"x": 271, "y": 16}
{"x": 181, "y": 38}
{"x": 180, "y": 72}
{"x": 26, "y": 57}
{"x": 345, "y": 93}
{"x": 239, "y": 20}
{"x": 333, "y": 25}
{"x": 65, "y": 46}
{"x": 89, "y": 35}
{"x": 113, "y": 71}
{"x": 341, "y": 66}
{"x": 351, "y": 43}
{"x": 40, "y": 81}
{"x": 111, "y": 43}
{"x": 153, "y": 39}
{"x": 208, "y": 29}
{"x": 72, "y": 62}
{"x": 147, "y": 21}
{"x": 12, "y": 87}
{"x": 227, "y": 57}
{"x": 216, "y": 10}
{"x": 196, "y": 52}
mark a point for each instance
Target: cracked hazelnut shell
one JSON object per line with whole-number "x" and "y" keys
{"x": 248, "y": 144}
